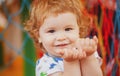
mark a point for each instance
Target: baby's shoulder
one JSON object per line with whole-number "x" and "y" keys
{"x": 48, "y": 65}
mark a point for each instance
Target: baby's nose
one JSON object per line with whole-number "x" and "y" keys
{"x": 60, "y": 37}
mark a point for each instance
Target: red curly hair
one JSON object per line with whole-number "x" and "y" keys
{"x": 41, "y": 9}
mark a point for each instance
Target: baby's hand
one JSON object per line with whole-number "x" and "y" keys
{"x": 71, "y": 54}
{"x": 88, "y": 45}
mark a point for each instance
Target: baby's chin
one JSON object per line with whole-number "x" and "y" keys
{"x": 54, "y": 55}
{"x": 57, "y": 55}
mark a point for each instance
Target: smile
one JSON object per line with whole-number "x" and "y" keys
{"x": 62, "y": 45}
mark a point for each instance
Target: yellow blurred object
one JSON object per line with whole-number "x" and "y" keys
{"x": 15, "y": 69}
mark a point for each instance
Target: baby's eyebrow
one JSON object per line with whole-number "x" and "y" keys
{"x": 70, "y": 25}
{"x": 50, "y": 28}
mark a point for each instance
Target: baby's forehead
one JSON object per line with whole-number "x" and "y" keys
{"x": 60, "y": 17}
{"x": 51, "y": 15}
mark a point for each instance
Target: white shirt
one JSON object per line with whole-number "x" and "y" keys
{"x": 48, "y": 65}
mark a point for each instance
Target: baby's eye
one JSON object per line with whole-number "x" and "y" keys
{"x": 51, "y": 31}
{"x": 68, "y": 29}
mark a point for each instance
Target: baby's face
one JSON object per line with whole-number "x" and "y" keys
{"x": 59, "y": 32}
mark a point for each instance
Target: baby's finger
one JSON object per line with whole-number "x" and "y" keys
{"x": 87, "y": 42}
{"x": 93, "y": 44}
{"x": 81, "y": 42}
{"x": 75, "y": 53}
{"x": 84, "y": 54}
{"x": 65, "y": 53}
{"x": 96, "y": 39}
{"x": 80, "y": 54}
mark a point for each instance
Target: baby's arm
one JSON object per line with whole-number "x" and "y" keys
{"x": 70, "y": 69}
{"x": 90, "y": 65}
{"x": 71, "y": 62}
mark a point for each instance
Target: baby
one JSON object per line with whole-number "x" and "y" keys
{"x": 59, "y": 28}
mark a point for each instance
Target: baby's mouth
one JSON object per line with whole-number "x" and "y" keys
{"x": 62, "y": 45}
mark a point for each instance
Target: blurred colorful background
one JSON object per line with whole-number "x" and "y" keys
{"x": 18, "y": 54}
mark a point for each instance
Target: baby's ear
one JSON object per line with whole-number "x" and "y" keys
{"x": 39, "y": 39}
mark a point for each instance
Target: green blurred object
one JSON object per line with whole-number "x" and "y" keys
{"x": 43, "y": 74}
{"x": 25, "y": 11}
{"x": 29, "y": 57}
{"x": 29, "y": 49}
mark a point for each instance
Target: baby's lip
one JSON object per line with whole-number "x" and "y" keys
{"x": 61, "y": 45}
